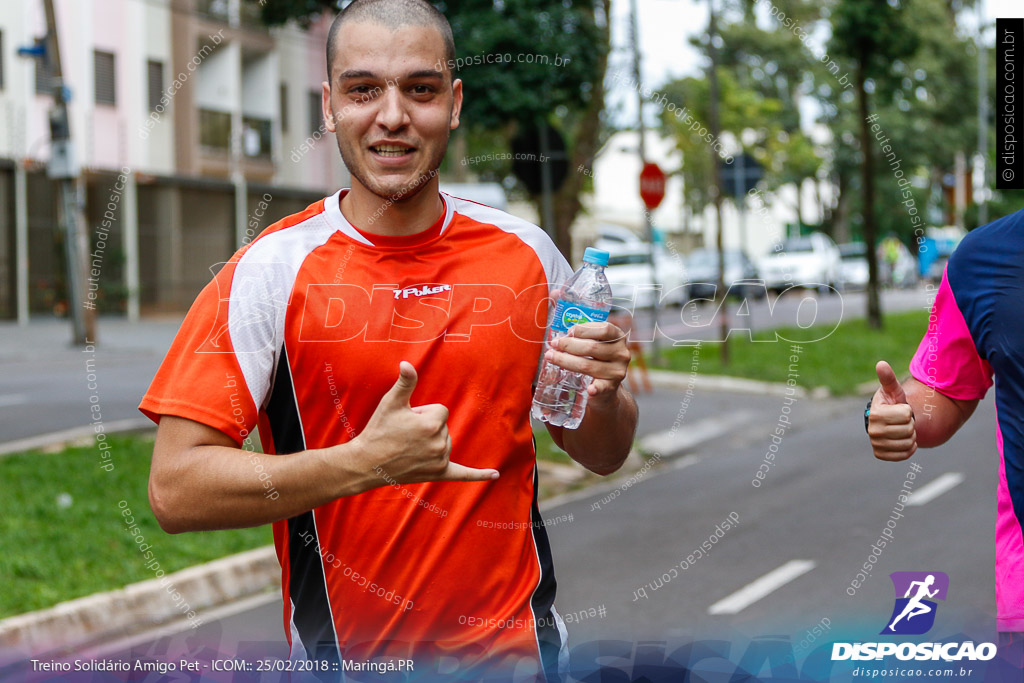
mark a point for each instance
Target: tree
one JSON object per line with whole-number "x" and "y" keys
{"x": 775, "y": 63}
{"x": 525, "y": 63}
{"x": 745, "y": 114}
{"x": 873, "y": 34}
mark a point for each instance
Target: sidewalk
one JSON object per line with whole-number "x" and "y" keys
{"x": 50, "y": 338}
{"x": 49, "y": 386}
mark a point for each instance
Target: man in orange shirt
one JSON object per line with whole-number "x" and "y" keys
{"x": 401, "y": 480}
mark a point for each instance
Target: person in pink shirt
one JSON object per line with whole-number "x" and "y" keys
{"x": 975, "y": 334}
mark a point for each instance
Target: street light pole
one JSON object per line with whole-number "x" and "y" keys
{"x": 63, "y": 169}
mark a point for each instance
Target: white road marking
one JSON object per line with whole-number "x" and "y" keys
{"x": 669, "y": 442}
{"x": 759, "y": 588}
{"x": 934, "y": 489}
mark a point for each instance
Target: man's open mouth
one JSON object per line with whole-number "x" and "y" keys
{"x": 392, "y": 150}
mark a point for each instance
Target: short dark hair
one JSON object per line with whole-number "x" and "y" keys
{"x": 393, "y": 14}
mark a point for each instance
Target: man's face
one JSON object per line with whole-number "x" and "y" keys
{"x": 391, "y": 105}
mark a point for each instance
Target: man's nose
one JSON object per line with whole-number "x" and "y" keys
{"x": 392, "y": 114}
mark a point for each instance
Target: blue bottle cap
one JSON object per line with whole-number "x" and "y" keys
{"x": 598, "y": 256}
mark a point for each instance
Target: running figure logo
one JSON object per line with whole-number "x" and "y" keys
{"x": 914, "y": 613}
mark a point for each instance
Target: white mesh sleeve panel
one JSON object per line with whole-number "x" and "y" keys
{"x": 260, "y": 291}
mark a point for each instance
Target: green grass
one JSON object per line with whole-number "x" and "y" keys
{"x": 841, "y": 361}
{"x": 51, "y": 552}
{"x": 547, "y": 450}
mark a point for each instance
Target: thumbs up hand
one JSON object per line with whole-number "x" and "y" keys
{"x": 406, "y": 444}
{"x": 891, "y": 421}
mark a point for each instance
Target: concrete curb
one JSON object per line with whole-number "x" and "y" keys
{"x": 104, "y": 616}
{"x": 58, "y": 440}
{"x": 680, "y": 380}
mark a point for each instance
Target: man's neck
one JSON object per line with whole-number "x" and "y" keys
{"x": 380, "y": 216}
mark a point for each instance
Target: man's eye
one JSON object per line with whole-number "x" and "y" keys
{"x": 422, "y": 89}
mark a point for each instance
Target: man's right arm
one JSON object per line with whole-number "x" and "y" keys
{"x": 200, "y": 480}
{"x": 905, "y": 417}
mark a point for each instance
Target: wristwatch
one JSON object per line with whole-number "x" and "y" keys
{"x": 867, "y": 413}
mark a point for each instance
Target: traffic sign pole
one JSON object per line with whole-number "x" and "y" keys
{"x": 641, "y": 128}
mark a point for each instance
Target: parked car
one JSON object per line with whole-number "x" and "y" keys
{"x": 741, "y": 276}
{"x": 853, "y": 269}
{"x": 616, "y": 238}
{"x": 629, "y": 273}
{"x": 809, "y": 261}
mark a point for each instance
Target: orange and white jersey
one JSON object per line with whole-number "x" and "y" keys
{"x": 301, "y": 333}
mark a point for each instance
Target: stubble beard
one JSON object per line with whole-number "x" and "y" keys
{"x": 400, "y": 190}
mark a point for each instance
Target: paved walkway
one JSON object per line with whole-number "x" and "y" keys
{"x": 49, "y": 337}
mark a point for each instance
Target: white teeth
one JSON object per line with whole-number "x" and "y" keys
{"x": 391, "y": 150}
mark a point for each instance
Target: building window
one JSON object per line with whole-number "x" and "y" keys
{"x": 283, "y": 95}
{"x": 45, "y": 81}
{"x": 214, "y": 9}
{"x": 316, "y": 118}
{"x": 155, "y": 83}
{"x": 103, "y": 69}
{"x": 214, "y": 129}
{"x": 256, "y": 136}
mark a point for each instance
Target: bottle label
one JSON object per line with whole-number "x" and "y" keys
{"x": 568, "y": 314}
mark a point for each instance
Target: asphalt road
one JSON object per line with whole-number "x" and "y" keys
{"x": 44, "y": 383}
{"x": 810, "y": 526}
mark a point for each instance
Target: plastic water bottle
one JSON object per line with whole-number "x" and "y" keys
{"x": 561, "y": 395}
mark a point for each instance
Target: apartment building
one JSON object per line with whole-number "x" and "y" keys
{"x": 193, "y": 125}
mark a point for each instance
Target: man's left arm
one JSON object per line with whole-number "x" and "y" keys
{"x": 605, "y": 436}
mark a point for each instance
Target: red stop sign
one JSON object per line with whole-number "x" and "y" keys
{"x": 652, "y": 186}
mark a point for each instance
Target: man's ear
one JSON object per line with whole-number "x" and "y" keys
{"x": 457, "y": 105}
{"x": 325, "y": 105}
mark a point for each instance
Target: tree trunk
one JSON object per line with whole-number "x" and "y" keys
{"x": 840, "y": 216}
{"x": 567, "y": 203}
{"x": 868, "y": 183}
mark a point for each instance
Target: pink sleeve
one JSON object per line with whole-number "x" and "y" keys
{"x": 947, "y": 359}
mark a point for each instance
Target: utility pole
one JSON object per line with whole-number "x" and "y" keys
{"x": 648, "y": 228}
{"x": 716, "y": 174}
{"x": 64, "y": 170}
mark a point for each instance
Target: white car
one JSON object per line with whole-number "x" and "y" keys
{"x": 741, "y": 277}
{"x": 809, "y": 261}
{"x": 853, "y": 270}
{"x": 629, "y": 274}
{"x": 616, "y": 238}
